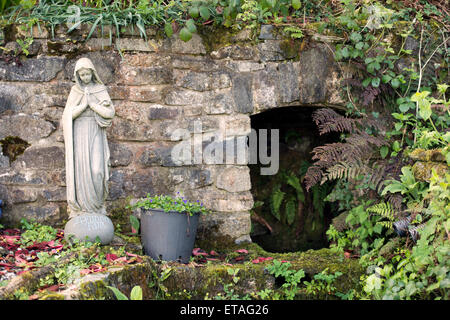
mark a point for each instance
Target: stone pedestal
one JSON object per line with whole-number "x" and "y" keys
{"x": 89, "y": 226}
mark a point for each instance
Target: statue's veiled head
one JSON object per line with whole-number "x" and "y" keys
{"x": 85, "y": 73}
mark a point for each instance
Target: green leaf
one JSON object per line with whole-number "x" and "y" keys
{"x": 275, "y": 201}
{"x": 384, "y": 150}
{"x": 136, "y": 293}
{"x": 294, "y": 182}
{"x": 190, "y": 25}
{"x": 398, "y": 126}
{"x": 271, "y": 3}
{"x": 395, "y": 83}
{"x": 168, "y": 29}
{"x": 134, "y": 223}
{"x": 366, "y": 82}
{"x": 355, "y": 37}
{"x": 290, "y": 211}
{"x": 296, "y": 4}
{"x": 359, "y": 45}
{"x": 194, "y": 12}
{"x": 185, "y": 34}
{"x": 204, "y": 12}
{"x": 94, "y": 26}
{"x": 375, "y": 82}
{"x": 344, "y": 52}
{"x": 393, "y": 188}
{"x": 119, "y": 295}
{"x": 404, "y": 107}
{"x": 425, "y": 109}
{"x": 386, "y": 78}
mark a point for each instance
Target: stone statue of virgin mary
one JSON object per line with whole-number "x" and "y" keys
{"x": 87, "y": 114}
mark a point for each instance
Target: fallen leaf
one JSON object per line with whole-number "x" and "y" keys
{"x": 199, "y": 252}
{"x": 110, "y": 257}
{"x": 131, "y": 254}
{"x": 262, "y": 259}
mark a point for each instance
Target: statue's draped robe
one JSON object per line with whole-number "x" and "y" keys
{"x": 86, "y": 149}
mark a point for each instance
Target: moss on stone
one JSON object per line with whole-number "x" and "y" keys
{"x": 52, "y": 296}
{"x": 207, "y": 281}
{"x": 291, "y": 48}
{"x": 422, "y": 170}
{"x": 434, "y": 155}
{"x": 216, "y": 37}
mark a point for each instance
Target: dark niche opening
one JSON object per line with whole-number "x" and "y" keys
{"x": 12, "y": 147}
{"x": 286, "y": 217}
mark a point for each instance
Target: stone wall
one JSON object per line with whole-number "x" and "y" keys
{"x": 157, "y": 86}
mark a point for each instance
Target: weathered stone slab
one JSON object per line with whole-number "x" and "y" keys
{"x": 4, "y": 160}
{"x": 221, "y": 103}
{"x": 133, "y": 44}
{"x": 121, "y": 155}
{"x": 22, "y": 195}
{"x": 242, "y": 93}
{"x": 145, "y": 94}
{"x": 195, "y": 63}
{"x": 116, "y": 184}
{"x": 315, "y": 67}
{"x": 184, "y": 97}
{"x": 36, "y": 157}
{"x": 229, "y": 225}
{"x": 157, "y": 155}
{"x": 36, "y": 69}
{"x": 268, "y": 32}
{"x": 158, "y": 112}
{"x": 13, "y": 98}
{"x": 27, "y": 127}
{"x": 202, "y": 81}
{"x": 235, "y": 52}
{"x": 287, "y": 85}
{"x": 55, "y": 194}
{"x": 45, "y": 214}
{"x": 265, "y": 89}
{"x": 193, "y": 46}
{"x": 270, "y": 50}
{"x": 35, "y": 32}
{"x": 123, "y": 129}
{"x": 234, "y": 179}
{"x": 244, "y": 66}
{"x": 148, "y": 180}
{"x": 144, "y": 75}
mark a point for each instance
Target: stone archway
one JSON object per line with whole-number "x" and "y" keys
{"x": 286, "y": 217}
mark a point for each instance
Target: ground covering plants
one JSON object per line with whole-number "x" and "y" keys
{"x": 397, "y": 105}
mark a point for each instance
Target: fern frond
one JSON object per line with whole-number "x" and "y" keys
{"x": 347, "y": 159}
{"x": 328, "y": 120}
{"x": 275, "y": 202}
{"x": 383, "y": 209}
{"x": 294, "y": 182}
{"x": 386, "y": 224}
{"x": 291, "y": 211}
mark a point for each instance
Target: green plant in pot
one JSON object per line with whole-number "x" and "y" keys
{"x": 169, "y": 226}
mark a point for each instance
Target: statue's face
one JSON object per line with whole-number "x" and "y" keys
{"x": 85, "y": 75}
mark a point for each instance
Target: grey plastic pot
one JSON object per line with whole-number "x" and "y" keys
{"x": 168, "y": 236}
